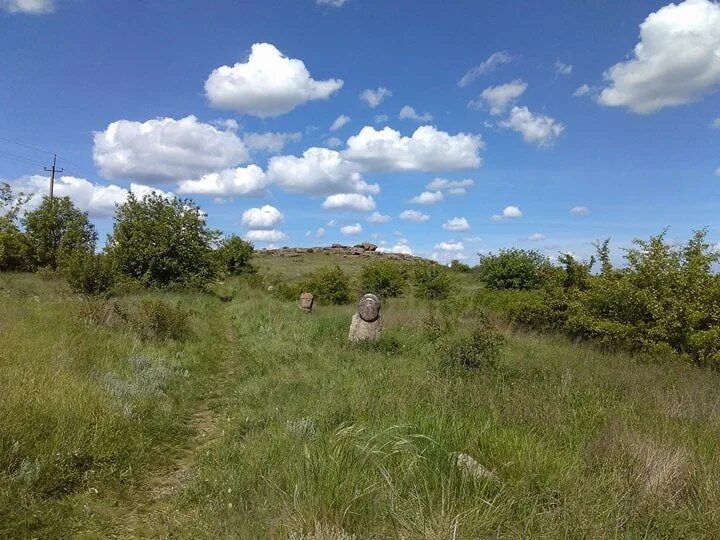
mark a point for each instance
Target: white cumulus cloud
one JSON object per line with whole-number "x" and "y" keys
{"x": 320, "y": 171}
{"x": 265, "y": 235}
{"x": 498, "y": 98}
{"x": 511, "y": 212}
{"x": 453, "y": 187}
{"x": 373, "y": 98}
{"x": 428, "y": 197}
{"x": 30, "y": 7}
{"x": 408, "y": 112}
{"x": 676, "y": 61}
{"x": 165, "y": 149}
{"x": 496, "y": 59}
{"x": 266, "y": 217}
{"x": 413, "y": 215}
{"x": 270, "y": 142}
{"x": 248, "y": 181}
{"x": 377, "y": 217}
{"x": 535, "y": 128}
{"x": 456, "y": 224}
{"x": 450, "y": 246}
{"x": 562, "y": 69}
{"x": 579, "y": 210}
{"x": 351, "y": 230}
{"x": 426, "y": 150}
{"x": 339, "y": 122}
{"x": 268, "y": 84}
{"x": 349, "y": 201}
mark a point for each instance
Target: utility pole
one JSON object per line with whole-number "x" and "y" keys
{"x": 52, "y": 170}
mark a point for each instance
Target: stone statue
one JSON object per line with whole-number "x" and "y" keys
{"x": 307, "y": 300}
{"x": 366, "y": 324}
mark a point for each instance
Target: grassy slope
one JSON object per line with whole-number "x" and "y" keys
{"x": 311, "y": 434}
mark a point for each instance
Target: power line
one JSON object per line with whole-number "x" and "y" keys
{"x": 26, "y": 146}
{"x": 23, "y": 159}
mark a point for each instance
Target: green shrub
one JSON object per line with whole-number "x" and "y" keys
{"x": 518, "y": 269}
{"x": 387, "y": 279}
{"x": 459, "y": 266}
{"x": 56, "y": 229}
{"x": 155, "y": 319}
{"x": 432, "y": 281}
{"x": 234, "y": 256}
{"x": 329, "y": 285}
{"x": 89, "y": 273}
{"x": 481, "y": 348}
{"x": 163, "y": 242}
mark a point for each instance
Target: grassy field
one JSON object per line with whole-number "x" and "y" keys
{"x": 264, "y": 423}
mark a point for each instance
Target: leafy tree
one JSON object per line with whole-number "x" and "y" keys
{"x": 89, "y": 273}
{"x": 56, "y": 229}
{"x": 329, "y": 285}
{"x": 13, "y": 243}
{"x": 387, "y": 279}
{"x": 234, "y": 256}
{"x": 517, "y": 269}
{"x": 163, "y": 242}
{"x": 459, "y": 266}
{"x": 432, "y": 281}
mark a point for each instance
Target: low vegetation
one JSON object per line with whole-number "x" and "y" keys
{"x": 169, "y": 386}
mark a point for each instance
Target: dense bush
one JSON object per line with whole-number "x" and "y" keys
{"x": 163, "y": 242}
{"x": 234, "y": 256}
{"x": 476, "y": 349}
{"x": 89, "y": 273}
{"x": 56, "y": 229}
{"x": 329, "y": 285}
{"x": 155, "y": 319}
{"x": 518, "y": 269}
{"x": 459, "y": 266}
{"x": 387, "y": 279}
{"x": 432, "y": 281}
{"x": 666, "y": 299}
{"x": 14, "y": 249}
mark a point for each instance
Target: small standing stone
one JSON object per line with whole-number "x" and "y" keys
{"x": 307, "y": 300}
{"x": 366, "y": 324}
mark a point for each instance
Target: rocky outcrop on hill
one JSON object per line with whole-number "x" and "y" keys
{"x": 365, "y": 249}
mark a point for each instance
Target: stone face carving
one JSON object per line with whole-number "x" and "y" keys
{"x": 307, "y": 300}
{"x": 366, "y": 324}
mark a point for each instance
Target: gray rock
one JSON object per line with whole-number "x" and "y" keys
{"x": 367, "y": 246}
{"x": 471, "y": 468}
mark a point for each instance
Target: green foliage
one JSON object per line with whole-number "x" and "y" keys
{"x": 156, "y": 319}
{"x": 666, "y": 299}
{"x": 478, "y": 348}
{"x": 459, "y": 266}
{"x": 89, "y": 273}
{"x": 432, "y": 281}
{"x": 517, "y": 269}
{"x": 329, "y": 285}
{"x": 387, "y": 279}
{"x": 14, "y": 249}
{"x": 234, "y": 256}
{"x": 163, "y": 242}
{"x": 56, "y": 229}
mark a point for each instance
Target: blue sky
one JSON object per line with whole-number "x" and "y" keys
{"x": 604, "y": 108}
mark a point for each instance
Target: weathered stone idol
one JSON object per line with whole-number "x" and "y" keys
{"x": 366, "y": 324}
{"x": 307, "y": 300}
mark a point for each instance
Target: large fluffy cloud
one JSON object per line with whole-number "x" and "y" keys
{"x": 268, "y": 84}
{"x": 535, "y": 128}
{"x": 675, "y": 62}
{"x": 320, "y": 171}
{"x": 428, "y": 197}
{"x": 351, "y": 230}
{"x": 409, "y": 113}
{"x": 248, "y": 181}
{"x": 31, "y": 7}
{"x": 413, "y": 215}
{"x": 456, "y": 224}
{"x": 266, "y": 217}
{"x": 349, "y": 201}
{"x": 165, "y": 149}
{"x": 426, "y": 150}
{"x": 97, "y": 200}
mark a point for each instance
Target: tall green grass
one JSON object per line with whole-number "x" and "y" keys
{"x": 315, "y": 438}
